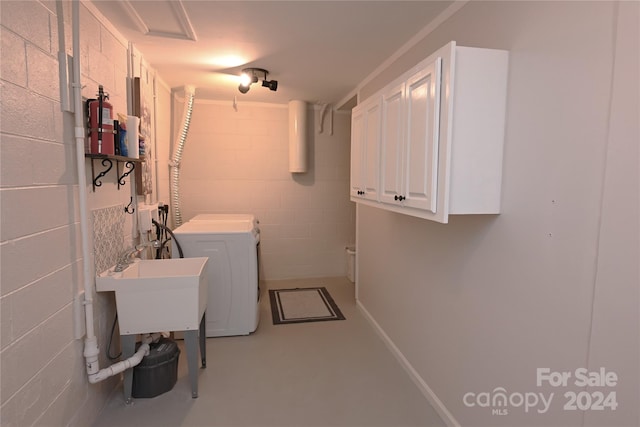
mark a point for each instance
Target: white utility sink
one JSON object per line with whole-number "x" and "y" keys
{"x": 159, "y": 294}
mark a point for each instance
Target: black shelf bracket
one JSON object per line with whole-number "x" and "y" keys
{"x": 129, "y": 166}
{"x": 107, "y": 163}
{"x": 97, "y": 179}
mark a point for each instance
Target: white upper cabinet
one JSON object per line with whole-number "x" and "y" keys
{"x": 392, "y": 144}
{"x": 409, "y": 145}
{"x": 365, "y": 149}
{"x": 440, "y": 136}
{"x": 423, "y": 124}
{"x": 357, "y": 151}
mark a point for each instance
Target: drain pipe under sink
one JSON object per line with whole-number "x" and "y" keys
{"x": 123, "y": 365}
{"x": 91, "y": 350}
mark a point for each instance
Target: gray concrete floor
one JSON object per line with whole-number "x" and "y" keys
{"x": 335, "y": 373}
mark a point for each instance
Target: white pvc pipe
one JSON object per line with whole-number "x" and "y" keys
{"x": 91, "y": 350}
{"x": 155, "y": 139}
{"x": 62, "y": 60}
{"x": 90, "y": 342}
{"x": 123, "y": 365}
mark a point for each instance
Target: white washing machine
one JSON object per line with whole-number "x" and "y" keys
{"x": 232, "y": 246}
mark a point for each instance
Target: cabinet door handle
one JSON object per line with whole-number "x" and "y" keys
{"x": 399, "y": 198}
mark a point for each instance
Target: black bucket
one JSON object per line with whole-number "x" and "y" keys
{"x": 157, "y": 373}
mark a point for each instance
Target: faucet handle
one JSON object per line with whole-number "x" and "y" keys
{"x": 126, "y": 255}
{"x": 136, "y": 249}
{"x": 125, "y": 259}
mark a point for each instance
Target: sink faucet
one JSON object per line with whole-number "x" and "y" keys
{"x": 127, "y": 257}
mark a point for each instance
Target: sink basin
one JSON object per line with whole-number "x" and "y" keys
{"x": 159, "y": 294}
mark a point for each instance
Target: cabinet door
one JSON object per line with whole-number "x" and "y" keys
{"x": 357, "y": 151}
{"x": 392, "y": 144}
{"x": 371, "y": 150}
{"x": 365, "y": 143}
{"x": 421, "y": 141}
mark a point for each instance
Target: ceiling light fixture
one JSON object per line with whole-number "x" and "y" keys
{"x": 250, "y": 76}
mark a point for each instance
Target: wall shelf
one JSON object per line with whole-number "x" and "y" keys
{"x": 129, "y": 164}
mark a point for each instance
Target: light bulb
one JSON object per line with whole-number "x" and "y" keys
{"x": 245, "y": 79}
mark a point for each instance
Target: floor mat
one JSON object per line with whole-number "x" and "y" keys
{"x": 303, "y": 305}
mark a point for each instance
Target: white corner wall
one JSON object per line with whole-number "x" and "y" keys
{"x": 552, "y": 282}
{"x": 615, "y": 321}
{"x": 237, "y": 162}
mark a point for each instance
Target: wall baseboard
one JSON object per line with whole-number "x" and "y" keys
{"x": 437, "y": 404}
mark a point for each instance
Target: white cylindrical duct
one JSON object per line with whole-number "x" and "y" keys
{"x": 298, "y": 147}
{"x": 176, "y": 157}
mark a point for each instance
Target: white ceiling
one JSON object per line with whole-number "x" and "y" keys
{"x": 319, "y": 51}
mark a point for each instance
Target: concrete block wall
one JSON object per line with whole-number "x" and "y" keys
{"x": 238, "y": 162}
{"x": 306, "y": 220}
{"x": 42, "y": 373}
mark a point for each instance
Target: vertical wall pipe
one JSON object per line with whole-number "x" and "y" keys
{"x": 155, "y": 139}
{"x": 90, "y": 342}
{"x": 91, "y": 350}
{"x": 176, "y": 158}
{"x": 298, "y": 156}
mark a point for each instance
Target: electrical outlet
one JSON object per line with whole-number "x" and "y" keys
{"x": 146, "y": 215}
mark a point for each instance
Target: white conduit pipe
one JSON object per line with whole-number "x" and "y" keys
{"x": 91, "y": 350}
{"x": 155, "y": 197}
{"x": 177, "y": 156}
{"x": 90, "y": 342}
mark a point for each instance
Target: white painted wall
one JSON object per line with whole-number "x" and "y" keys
{"x": 42, "y": 371}
{"x": 237, "y": 162}
{"x": 553, "y": 281}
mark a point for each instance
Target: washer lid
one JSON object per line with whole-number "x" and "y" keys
{"x": 223, "y": 217}
{"x": 220, "y": 227}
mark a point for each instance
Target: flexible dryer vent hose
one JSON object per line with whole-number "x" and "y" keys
{"x": 177, "y": 156}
